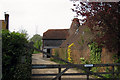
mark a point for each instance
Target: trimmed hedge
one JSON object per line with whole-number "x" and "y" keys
{"x": 16, "y": 59}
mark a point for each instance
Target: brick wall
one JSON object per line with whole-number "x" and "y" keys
{"x": 81, "y": 49}
{"x": 2, "y": 24}
{"x": 81, "y": 36}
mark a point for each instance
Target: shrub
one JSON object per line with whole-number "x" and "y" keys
{"x": 16, "y": 58}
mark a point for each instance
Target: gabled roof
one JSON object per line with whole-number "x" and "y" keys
{"x": 55, "y": 34}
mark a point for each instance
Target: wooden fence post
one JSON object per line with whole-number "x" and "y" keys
{"x": 88, "y": 73}
{"x": 59, "y": 70}
{"x": 113, "y": 71}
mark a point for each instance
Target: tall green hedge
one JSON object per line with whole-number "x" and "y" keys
{"x": 16, "y": 59}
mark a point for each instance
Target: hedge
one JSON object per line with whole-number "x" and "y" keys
{"x": 16, "y": 59}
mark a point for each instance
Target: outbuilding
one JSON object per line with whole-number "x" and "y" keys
{"x": 53, "y": 38}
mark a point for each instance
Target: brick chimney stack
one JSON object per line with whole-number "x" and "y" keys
{"x": 7, "y": 21}
{"x": 74, "y": 26}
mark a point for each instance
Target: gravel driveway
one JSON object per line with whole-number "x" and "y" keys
{"x": 38, "y": 59}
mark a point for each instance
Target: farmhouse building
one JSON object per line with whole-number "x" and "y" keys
{"x": 53, "y": 38}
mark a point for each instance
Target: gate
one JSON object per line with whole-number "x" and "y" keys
{"x": 88, "y": 66}
{"x": 84, "y": 67}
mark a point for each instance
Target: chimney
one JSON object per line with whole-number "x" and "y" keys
{"x": 7, "y": 21}
{"x": 76, "y": 20}
{"x": 74, "y": 26}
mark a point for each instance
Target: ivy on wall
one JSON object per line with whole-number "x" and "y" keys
{"x": 95, "y": 53}
{"x": 95, "y": 56}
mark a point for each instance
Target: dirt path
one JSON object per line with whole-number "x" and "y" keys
{"x": 38, "y": 59}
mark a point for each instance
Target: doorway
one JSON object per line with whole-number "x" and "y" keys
{"x": 48, "y": 51}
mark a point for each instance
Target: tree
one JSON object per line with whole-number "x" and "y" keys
{"x": 37, "y": 39}
{"x": 103, "y": 19}
{"x": 24, "y": 32}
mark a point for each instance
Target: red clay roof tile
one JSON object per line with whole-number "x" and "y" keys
{"x": 55, "y": 34}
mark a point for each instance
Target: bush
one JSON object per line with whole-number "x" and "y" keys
{"x": 16, "y": 58}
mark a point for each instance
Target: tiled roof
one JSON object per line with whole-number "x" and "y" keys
{"x": 55, "y": 34}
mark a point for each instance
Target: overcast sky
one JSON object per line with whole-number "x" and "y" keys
{"x": 37, "y": 16}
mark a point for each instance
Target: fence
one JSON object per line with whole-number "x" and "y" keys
{"x": 88, "y": 66}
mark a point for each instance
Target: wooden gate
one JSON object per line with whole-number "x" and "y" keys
{"x": 85, "y": 67}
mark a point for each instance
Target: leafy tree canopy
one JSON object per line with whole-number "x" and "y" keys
{"x": 36, "y": 38}
{"x": 24, "y": 32}
{"x": 103, "y": 19}
{"x": 104, "y": 14}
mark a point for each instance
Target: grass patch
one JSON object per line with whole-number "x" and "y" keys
{"x": 57, "y": 61}
{"x": 35, "y": 52}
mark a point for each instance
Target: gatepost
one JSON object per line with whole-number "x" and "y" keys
{"x": 0, "y": 54}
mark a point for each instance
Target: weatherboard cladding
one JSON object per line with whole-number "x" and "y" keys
{"x": 52, "y": 43}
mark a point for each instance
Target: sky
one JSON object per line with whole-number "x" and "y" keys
{"x": 37, "y": 16}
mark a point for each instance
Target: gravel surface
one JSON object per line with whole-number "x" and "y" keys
{"x": 38, "y": 59}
